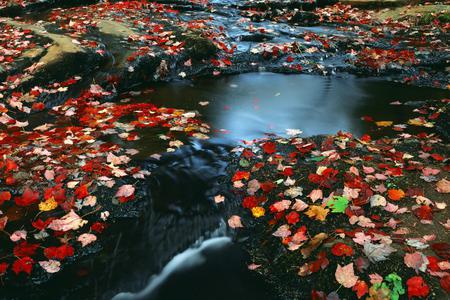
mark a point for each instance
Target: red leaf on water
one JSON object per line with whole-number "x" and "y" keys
{"x": 98, "y": 227}
{"x": 288, "y": 172}
{"x": 445, "y": 283}
{"x": 437, "y": 157}
{"x": 269, "y": 147}
{"x": 267, "y": 186}
{"x": 3, "y": 221}
{"x": 249, "y": 202}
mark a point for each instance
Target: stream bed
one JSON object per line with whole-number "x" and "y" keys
{"x": 245, "y": 107}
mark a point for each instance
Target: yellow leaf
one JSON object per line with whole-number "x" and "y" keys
{"x": 317, "y": 212}
{"x": 258, "y": 211}
{"x": 48, "y": 204}
{"x": 420, "y": 122}
{"x": 384, "y": 123}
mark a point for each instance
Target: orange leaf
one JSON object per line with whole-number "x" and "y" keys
{"x": 396, "y": 195}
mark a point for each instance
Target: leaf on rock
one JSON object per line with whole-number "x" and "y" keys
{"x": 235, "y": 222}
{"x": 317, "y": 212}
{"x": 86, "y": 239}
{"x": 346, "y": 275}
{"x": 377, "y": 252}
{"x": 313, "y": 244}
{"x": 360, "y": 288}
{"x": 443, "y": 186}
{"x": 49, "y": 204}
{"x": 71, "y": 221}
{"x": 417, "y": 287}
{"x": 50, "y": 266}
{"x": 337, "y": 204}
{"x": 417, "y": 260}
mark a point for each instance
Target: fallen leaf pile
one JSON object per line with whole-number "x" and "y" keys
{"x": 349, "y": 205}
{"x": 49, "y": 175}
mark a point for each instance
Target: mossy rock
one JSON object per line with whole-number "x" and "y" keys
{"x": 429, "y": 18}
{"x": 198, "y": 47}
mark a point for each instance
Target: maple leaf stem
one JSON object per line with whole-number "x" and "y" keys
{"x": 92, "y": 212}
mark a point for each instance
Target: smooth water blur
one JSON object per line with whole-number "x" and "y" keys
{"x": 244, "y": 107}
{"x": 241, "y": 107}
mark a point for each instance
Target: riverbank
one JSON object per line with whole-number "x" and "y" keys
{"x": 79, "y": 203}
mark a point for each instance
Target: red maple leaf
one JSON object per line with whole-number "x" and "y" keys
{"x": 3, "y": 267}
{"x": 10, "y": 165}
{"x": 269, "y": 147}
{"x": 417, "y": 287}
{"x": 60, "y": 252}
{"x": 293, "y": 217}
{"x": 82, "y": 192}
{"x": 4, "y": 196}
{"x": 28, "y": 197}
{"x": 267, "y": 186}
{"x": 24, "y": 249}
{"x": 424, "y": 212}
{"x": 445, "y": 283}
{"x": 341, "y": 249}
{"x": 239, "y": 175}
{"x": 360, "y": 288}
{"x": 24, "y": 264}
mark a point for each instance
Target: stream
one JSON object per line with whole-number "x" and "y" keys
{"x": 180, "y": 247}
{"x": 247, "y": 106}
{"x": 243, "y": 107}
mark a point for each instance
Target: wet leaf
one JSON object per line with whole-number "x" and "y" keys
{"x": 346, "y": 275}
{"x": 317, "y": 212}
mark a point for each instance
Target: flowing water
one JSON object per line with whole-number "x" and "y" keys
{"x": 241, "y": 107}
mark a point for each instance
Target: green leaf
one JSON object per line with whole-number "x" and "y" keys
{"x": 398, "y": 289}
{"x": 244, "y": 163}
{"x": 317, "y": 158}
{"x": 338, "y": 204}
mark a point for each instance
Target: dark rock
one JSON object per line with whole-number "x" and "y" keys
{"x": 198, "y": 47}
{"x": 305, "y": 18}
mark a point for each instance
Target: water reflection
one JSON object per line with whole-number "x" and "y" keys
{"x": 247, "y": 106}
